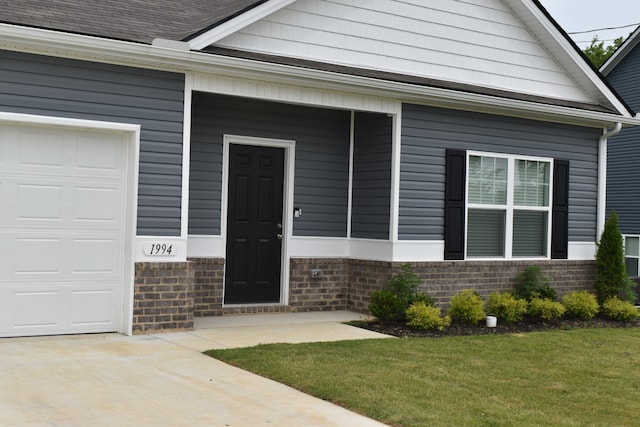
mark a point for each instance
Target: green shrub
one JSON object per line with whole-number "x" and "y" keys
{"x": 467, "y": 307}
{"x": 612, "y": 279}
{"x": 426, "y": 299}
{"x": 581, "y": 304}
{"x": 422, "y": 316}
{"x": 386, "y": 306}
{"x": 400, "y": 291}
{"x": 545, "y": 309}
{"x": 405, "y": 284}
{"x": 533, "y": 282}
{"x": 615, "y": 308}
{"x": 506, "y": 307}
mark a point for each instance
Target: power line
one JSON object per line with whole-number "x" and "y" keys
{"x": 604, "y": 29}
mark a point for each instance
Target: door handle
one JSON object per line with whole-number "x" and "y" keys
{"x": 279, "y": 236}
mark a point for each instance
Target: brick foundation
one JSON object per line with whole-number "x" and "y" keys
{"x": 442, "y": 280}
{"x": 208, "y": 286}
{"x": 327, "y": 292}
{"x": 163, "y": 297}
{"x": 168, "y": 296}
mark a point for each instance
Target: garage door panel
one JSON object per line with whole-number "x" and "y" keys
{"x": 36, "y": 309}
{"x": 96, "y": 204}
{"x": 38, "y": 255}
{"x": 41, "y": 148}
{"x": 93, "y": 256}
{"x": 92, "y": 308}
{"x": 96, "y": 152}
{"x": 38, "y": 201}
{"x": 62, "y": 215}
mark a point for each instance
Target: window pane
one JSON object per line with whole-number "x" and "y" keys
{"x": 474, "y": 178}
{"x": 531, "y": 186}
{"x": 632, "y": 266}
{"x": 487, "y": 180}
{"x": 485, "y": 234}
{"x": 529, "y": 233}
{"x": 631, "y": 246}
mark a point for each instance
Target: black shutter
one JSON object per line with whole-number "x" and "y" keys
{"x": 560, "y": 210}
{"x": 454, "y": 205}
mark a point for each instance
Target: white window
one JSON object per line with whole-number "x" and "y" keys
{"x": 508, "y": 206}
{"x": 632, "y": 255}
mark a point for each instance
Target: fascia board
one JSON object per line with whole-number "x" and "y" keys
{"x": 620, "y": 53}
{"x": 561, "y": 47}
{"x": 227, "y": 28}
{"x": 51, "y": 43}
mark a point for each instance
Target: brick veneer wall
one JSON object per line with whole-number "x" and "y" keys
{"x": 208, "y": 286}
{"x": 442, "y": 280}
{"x": 163, "y": 297}
{"x": 327, "y": 292}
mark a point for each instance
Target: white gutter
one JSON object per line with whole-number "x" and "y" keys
{"x": 602, "y": 177}
{"x": 162, "y": 57}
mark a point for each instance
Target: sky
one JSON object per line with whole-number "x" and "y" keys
{"x": 587, "y": 15}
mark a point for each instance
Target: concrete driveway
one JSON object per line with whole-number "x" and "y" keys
{"x": 163, "y": 379}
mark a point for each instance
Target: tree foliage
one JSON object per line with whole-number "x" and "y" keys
{"x": 598, "y": 53}
{"x": 612, "y": 279}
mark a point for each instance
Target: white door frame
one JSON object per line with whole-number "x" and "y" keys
{"x": 287, "y": 202}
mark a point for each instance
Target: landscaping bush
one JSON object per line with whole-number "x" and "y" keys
{"x": 615, "y": 308}
{"x": 581, "y": 304}
{"x": 426, "y": 299}
{"x": 467, "y": 307}
{"x": 386, "y": 306}
{"x": 533, "y": 282}
{"x": 426, "y": 317}
{"x": 401, "y": 290}
{"x": 506, "y": 307}
{"x": 612, "y": 279}
{"x": 545, "y": 309}
{"x": 405, "y": 285}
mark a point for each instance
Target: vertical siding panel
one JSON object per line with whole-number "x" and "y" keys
{"x": 322, "y": 159}
{"x": 371, "y": 176}
{"x": 34, "y": 84}
{"x": 427, "y": 132}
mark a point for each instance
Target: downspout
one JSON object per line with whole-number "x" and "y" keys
{"x": 602, "y": 176}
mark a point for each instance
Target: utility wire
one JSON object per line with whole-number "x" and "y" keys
{"x": 604, "y": 29}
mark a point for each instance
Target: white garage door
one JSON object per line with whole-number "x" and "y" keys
{"x": 62, "y": 197}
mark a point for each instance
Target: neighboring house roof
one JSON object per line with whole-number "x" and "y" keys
{"x": 219, "y": 27}
{"x": 629, "y": 44}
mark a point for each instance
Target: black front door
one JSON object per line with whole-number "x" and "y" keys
{"x": 254, "y": 225}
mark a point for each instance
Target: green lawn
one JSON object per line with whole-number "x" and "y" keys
{"x": 588, "y": 377}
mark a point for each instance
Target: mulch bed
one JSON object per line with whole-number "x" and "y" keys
{"x": 528, "y": 325}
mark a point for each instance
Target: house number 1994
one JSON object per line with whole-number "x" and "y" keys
{"x": 159, "y": 249}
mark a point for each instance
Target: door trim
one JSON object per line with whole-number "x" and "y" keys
{"x": 287, "y": 202}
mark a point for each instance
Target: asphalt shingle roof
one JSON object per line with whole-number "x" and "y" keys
{"x": 131, "y": 20}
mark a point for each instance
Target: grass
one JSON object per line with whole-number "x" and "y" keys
{"x": 588, "y": 377}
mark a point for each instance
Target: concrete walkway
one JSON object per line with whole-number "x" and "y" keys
{"x": 164, "y": 379}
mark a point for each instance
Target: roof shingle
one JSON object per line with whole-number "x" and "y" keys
{"x": 133, "y": 20}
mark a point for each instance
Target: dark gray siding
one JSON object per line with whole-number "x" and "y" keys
{"x": 34, "y": 84}
{"x": 321, "y": 159}
{"x": 623, "y": 156}
{"x": 427, "y": 132}
{"x": 371, "y": 176}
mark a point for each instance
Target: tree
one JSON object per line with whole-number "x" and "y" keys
{"x": 612, "y": 279}
{"x": 598, "y": 53}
